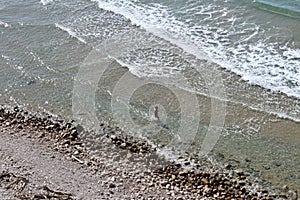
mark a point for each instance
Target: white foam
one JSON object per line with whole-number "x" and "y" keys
{"x": 292, "y": 53}
{"x": 70, "y": 32}
{"x": 46, "y": 2}
{"x": 4, "y": 24}
{"x": 250, "y": 64}
{"x": 257, "y": 62}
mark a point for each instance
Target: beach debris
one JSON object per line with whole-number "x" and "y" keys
{"x": 19, "y": 183}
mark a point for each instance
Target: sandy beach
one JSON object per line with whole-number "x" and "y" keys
{"x": 45, "y": 158}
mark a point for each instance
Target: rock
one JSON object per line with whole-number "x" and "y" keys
{"x": 164, "y": 183}
{"x": 227, "y": 183}
{"x": 264, "y": 191}
{"x": 277, "y": 163}
{"x": 186, "y": 163}
{"x": 151, "y": 184}
{"x": 129, "y": 155}
{"x": 239, "y": 172}
{"x": 183, "y": 172}
{"x": 113, "y": 138}
{"x": 111, "y": 185}
{"x": 285, "y": 188}
{"x": 267, "y": 167}
{"x": 283, "y": 195}
{"x": 242, "y": 183}
{"x": 79, "y": 128}
{"x": 204, "y": 181}
{"x": 294, "y": 195}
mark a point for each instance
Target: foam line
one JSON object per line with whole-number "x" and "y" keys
{"x": 70, "y": 32}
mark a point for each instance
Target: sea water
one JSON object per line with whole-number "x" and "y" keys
{"x": 230, "y": 66}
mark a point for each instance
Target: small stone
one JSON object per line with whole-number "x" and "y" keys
{"x": 113, "y": 137}
{"x": 187, "y": 163}
{"x": 111, "y": 185}
{"x": 228, "y": 166}
{"x": 239, "y": 172}
{"x": 79, "y": 128}
{"x": 294, "y": 195}
{"x": 151, "y": 184}
{"x": 285, "y": 188}
{"x": 204, "y": 181}
{"x": 228, "y": 183}
{"x": 183, "y": 172}
{"x": 267, "y": 167}
{"x": 123, "y": 145}
{"x": 129, "y": 155}
{"x": 242, "y": 183}
{"x": 264, "y": 191}
{"x": 164, "y": 183}
{"x": 277, "y": 164}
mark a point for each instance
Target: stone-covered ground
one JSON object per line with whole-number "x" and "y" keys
{"x": 42, "y": 157}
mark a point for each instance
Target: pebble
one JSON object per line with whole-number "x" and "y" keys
{"x": 239, "y": 172}
{"x": 112, "y": 185}
{"x": 123, "y": 145}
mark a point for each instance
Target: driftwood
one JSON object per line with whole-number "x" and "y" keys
{"x": 18, "y": 183}
{"x": 2, "y": 175}
{"x": 78, "y": 160}
{"x": 49, "y": 194}
{"x": 56, "y": 192}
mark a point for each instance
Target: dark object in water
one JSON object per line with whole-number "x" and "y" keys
{"x": 164, "y": 125}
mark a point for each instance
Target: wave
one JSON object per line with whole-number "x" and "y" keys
{"x": 137, "y": 71}
{"x": 223, "y": 37}
{"x": 70, "y": 32}
{"x": 262, "y": 65}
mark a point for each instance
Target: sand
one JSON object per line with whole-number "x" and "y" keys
{"x": 46, "y": 158}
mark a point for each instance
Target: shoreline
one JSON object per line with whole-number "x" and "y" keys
{"x": 119, "y": 153}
